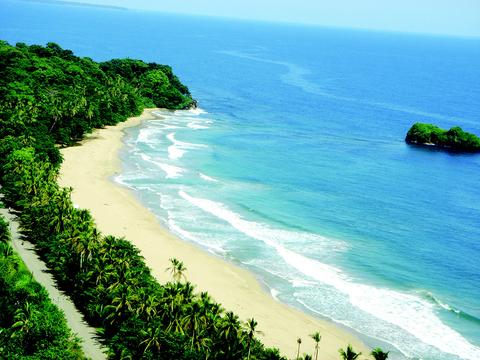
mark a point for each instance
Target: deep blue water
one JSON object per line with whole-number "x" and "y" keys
{"x": 297, "y": 170}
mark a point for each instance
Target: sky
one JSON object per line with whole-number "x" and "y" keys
{"x": 452, "y": 17}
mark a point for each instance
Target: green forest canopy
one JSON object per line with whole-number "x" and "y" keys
{"x": 455, "y": 138}
{"x": 52, "y": 95}
{"x": 31, "y": 326}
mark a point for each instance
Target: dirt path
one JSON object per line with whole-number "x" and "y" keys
{"x": 91, "y": 347}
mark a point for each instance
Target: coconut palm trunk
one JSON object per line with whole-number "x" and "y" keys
{"x": 299, "y": 342}
{"x": 316, "y": 337}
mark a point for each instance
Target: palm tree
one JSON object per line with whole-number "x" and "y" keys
{"x": 252, "y": 330}
{"x": 177, "y": 269}
{"x": 23, "y": 320}
{"x": 299, "y": 342}
{"x": 316, "y": 337}
{"x": 62, "y": 210}
{"x": 4, "y": 231}
{"x": 154, "y": 338}
{"x": 122, "y": 303}
{"x": 187, "y": 291}
{"x": 148, "y": 305}
{"x": 229, "y": 332}
{"x": 350, "y": 354}
{"x": 192, "y": 321}
{"x": 379, "y": 354}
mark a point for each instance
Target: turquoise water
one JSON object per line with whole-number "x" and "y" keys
{"x": 295, "y": 167}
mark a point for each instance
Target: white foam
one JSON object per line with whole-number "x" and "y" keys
{"x": 409, "y": 312}
{"x": 274, "y": 293}
{"x": 189, "y": 236}
{"x": 172, "y": 172}
{"x": 119, "y": 179}
{"x": 174, "y": 152}
{"x": 197, "y": 111}
{"x": 186, "y": 145}
{"x": 440, "y": 303}
{"x": 448, "y": 307}
{"x": 177, "y": 229}
{"x": 298, "y": 283}
{"x": 144, "y": 135}
{"x": 169, "y": 127}
{"x": 196, "y": 126}
{"x": 179, "y": 148}
{"x": 207, "y": 178}
{"x": 256, "y": 230}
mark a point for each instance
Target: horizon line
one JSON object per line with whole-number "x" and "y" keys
{"x": 268, "y": 21}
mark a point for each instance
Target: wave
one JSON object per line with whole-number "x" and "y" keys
{"x": 174, "y": 152}
{"x": 196, "y": 126}
{"x": 197, "y": 111}
{"x": 186, "y": 145}
{"x": 274, "y": 293}
{"x": 144, "y": 135}
{"x": 260, "y": 231}
{"x": 207, "y": 178}
{"x": 179, "y": 148}
{"x": 447, "y": 307}
{"x": 429, "y": 296}
{"x": 122, "y": 180}
{"x": 171, "y": 171}
{"x": 184, "y": 234}
{"x": 407, "y": 311}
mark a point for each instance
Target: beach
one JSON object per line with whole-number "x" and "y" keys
{"x": 88, "y": 169}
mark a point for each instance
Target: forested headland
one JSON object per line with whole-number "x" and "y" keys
{"x": 49, "y": 98}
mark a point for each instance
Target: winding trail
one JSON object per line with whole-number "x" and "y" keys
{"x": 90, "y": 345}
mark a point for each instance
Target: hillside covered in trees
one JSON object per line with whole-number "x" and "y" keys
{"x": 49, "y": 98}
{"x": 31, "y": 326}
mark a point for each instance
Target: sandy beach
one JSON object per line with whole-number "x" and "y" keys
{"x": 88, "y": 169}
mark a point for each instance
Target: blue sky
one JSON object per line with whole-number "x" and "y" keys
{"x": 455, "y": 17}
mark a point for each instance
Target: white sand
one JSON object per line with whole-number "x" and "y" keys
{"x": 88, "y": 169}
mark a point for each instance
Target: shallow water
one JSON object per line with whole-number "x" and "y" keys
{"x": 296, "y": 168}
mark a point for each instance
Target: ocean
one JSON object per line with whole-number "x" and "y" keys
{"x": 295, "y": 166}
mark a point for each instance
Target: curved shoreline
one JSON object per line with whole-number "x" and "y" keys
{"x": 88, "y": 170}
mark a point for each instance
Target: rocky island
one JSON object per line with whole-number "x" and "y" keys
{"x": 454, "y": 139}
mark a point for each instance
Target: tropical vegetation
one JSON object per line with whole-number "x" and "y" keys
{"x": 31, "y": 326}
{"x": 51, "y": 98}
{"x": 349, "y": 353}
{"x": 453, "y": 139}
{"x": 379, "y": 354}
{"x": 316, "y": 337}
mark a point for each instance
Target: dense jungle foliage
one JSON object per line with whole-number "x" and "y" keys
{"x": 31, "y": 326}
{"x": 454, "y": 139}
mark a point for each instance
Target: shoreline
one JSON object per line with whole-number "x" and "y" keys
{"x": 88, "y": 169}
